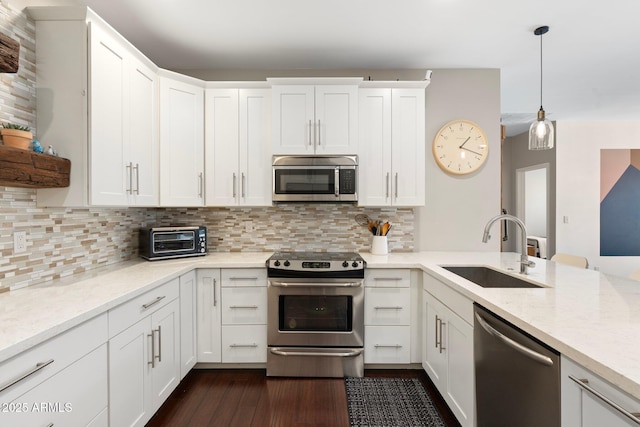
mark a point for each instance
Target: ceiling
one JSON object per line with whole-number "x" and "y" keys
{"x": 590, "y": 57}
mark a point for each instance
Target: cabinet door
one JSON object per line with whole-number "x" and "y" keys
{"x": 460, "y": 368}
{"x": 336, "y": 114}
{"x": 374, "y": 110}
{"x": 209, "y": 319}
{"x": 221, "y": 141}
{"x": 109, "y": 119}
{"x": 434, "y": 357}
{"x": 130, "y": 400}
{"x": 408, "y": 152}
{"x": 144, "y": 148}
{"x": 293, "y": 119}
{"x": 181, "y": 143}
{"x": 255, "y": 147}
{"x": 165, "y": 372}
{"x": 188, "y": 328}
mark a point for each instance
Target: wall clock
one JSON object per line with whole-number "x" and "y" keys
{"x": 460, "y": 147}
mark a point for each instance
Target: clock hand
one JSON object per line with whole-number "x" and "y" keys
{"x": 465, "y": 141}
{"x": 474, "y": 152}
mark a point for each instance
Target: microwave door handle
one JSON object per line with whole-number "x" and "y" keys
{"x": 336, "y": 181}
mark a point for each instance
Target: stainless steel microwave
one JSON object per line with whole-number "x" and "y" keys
{"x": 172, "y": 242}
{"x": 315, "y": 179}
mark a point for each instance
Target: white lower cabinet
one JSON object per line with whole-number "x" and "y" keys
{"x": 188, "y": 326}
{"x": 387, "y": 316}
{"x": 589, "y": 401}
{"x": 144, "y": 359}
{"x": 208, "y": 315}
{"x": 448, "y": 348}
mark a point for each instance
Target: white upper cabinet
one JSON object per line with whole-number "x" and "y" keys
{"x": 237, "y": 147}
{"x": 392, "y": 146}
{"x": 318, "y": 117}
{"x": 181, "y": 140}
{"x": 97, "y": 106}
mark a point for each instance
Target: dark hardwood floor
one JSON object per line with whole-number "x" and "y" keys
{"x": 239, "y": 398}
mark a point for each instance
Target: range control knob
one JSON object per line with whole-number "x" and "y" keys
{"x": 287, "y": 263}
{"x": 277, "y": 263}
{"x": 345, "y": 264}
{"x": 355, "y": 264}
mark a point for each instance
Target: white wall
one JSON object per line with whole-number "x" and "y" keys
{"x": 578, "y": 146}
{"x": 458, "y": 207}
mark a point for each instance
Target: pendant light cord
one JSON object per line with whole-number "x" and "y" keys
{"x": 540, "y": 71}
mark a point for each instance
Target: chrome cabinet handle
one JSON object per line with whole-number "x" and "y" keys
{"x": 215, "y": 301}
{"x": 243, "y": 192}
{"x": 388, "y": 308}
{"x": 396, "y": 185}
{"x": 234, "y": 185}
{"x": 155, "y": 301}
{"x": 250, "y": 307}
{"x": 584, "y": 383}
{"x": 309, "y": 132}
{"x": 442, "y": 347}
{"x": 387, "y": 191}
{"x": 200, "y": 185}
{"x": 128, "y": 168}
{"x": 319, "y": 132}
{"x": 16, "y": 380}
{"x": 526, "y": 351}
{"x": 336, "y": 182}
{"x": 243, "y": 278}
{"x": 153, "y": 349}
{"x": 50, "y": 425}
{"x": 159, "y": 356}
{"x": 252, "y": 345}
{"x": 387, "y": 346}
{"x": 388, "y": 278}
{"x": 438, "y": 331}
{"x": 137, "y": 168}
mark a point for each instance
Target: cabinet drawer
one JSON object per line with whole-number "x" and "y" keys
{"x": 244, "y": 306}
{"x": 48, "y": 358}
{"x": 387, "y": 306}
{"x": 457, "y": 302}
{"x": 387, "y": 344}
{"x": 72, "y": 397}
{"x": 233, "y": 277}
{"x": 244, "y": 344}
{"x": 387, "y": 278}
{"x": 130, "y": 312}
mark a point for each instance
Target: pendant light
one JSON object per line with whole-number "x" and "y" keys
{"x": 541, "y": 132}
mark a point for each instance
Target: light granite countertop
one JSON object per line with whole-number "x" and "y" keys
{"x": 589, "y": 317}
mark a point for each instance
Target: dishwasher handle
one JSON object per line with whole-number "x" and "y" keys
{"x": 531, "y": 354}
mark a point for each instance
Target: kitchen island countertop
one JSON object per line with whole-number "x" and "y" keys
{"x": 589, "y": 317}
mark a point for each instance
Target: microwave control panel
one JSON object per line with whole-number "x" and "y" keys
{"x": 347, "y": 181}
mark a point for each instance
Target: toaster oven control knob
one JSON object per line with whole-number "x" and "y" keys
{"x": 277, "y": 263}
{"x": 287, "y": 263}
{"x": 355, "y": 264}
{"x": 345, "y": 264}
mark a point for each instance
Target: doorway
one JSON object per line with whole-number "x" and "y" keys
{"x": 533, "y": 205}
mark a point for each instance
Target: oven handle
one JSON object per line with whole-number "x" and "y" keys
{"x": 316, "y": 352}
{"x": 315, "y": 285}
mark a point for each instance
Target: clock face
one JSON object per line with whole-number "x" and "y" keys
{"x": 460, "y": 147}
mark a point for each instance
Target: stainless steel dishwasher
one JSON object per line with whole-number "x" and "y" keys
{"x": 517, "y": 376}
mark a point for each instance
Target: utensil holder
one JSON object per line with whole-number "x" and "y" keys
{"x": 379, "y": 245}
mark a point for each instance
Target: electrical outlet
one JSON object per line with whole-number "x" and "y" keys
{"x": 19, "y": 242}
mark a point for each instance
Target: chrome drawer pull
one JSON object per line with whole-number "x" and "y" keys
{"x": 252, "y": 345}
{"x": 387, "y": 346}
{"x": 633, "y": 416}
{"x": 30, "y": 372}
{"x": 388, "y": 308}
{"x": 243, "y": 278}
{"x": 388, "y": 278}
{"x": 50, "y": 425}
{"x": 251, "y": 307}
{"x": 155, "y": 301}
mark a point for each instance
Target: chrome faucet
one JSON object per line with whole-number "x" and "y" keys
{"x": 524, "y": 259}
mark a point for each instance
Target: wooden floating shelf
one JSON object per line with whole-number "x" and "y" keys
{"x": 24, "y": 168}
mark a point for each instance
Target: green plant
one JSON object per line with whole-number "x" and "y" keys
{"x": 16, "y": 127}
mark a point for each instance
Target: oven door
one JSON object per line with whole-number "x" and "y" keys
{"x": 316, "y": 313}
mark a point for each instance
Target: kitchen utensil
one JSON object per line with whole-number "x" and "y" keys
{"x": 362, "y": 219}
{"x": 384, "y": 228}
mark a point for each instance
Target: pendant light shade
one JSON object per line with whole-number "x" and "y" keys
{"x": 541, "y": 132}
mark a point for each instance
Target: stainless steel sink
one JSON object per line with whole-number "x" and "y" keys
{"x": 489, "y": 278}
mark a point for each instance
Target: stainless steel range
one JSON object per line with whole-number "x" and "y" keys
{"x": 315, "y": 314}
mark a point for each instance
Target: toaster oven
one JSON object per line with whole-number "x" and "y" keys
{"x": 172, "y": 242}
